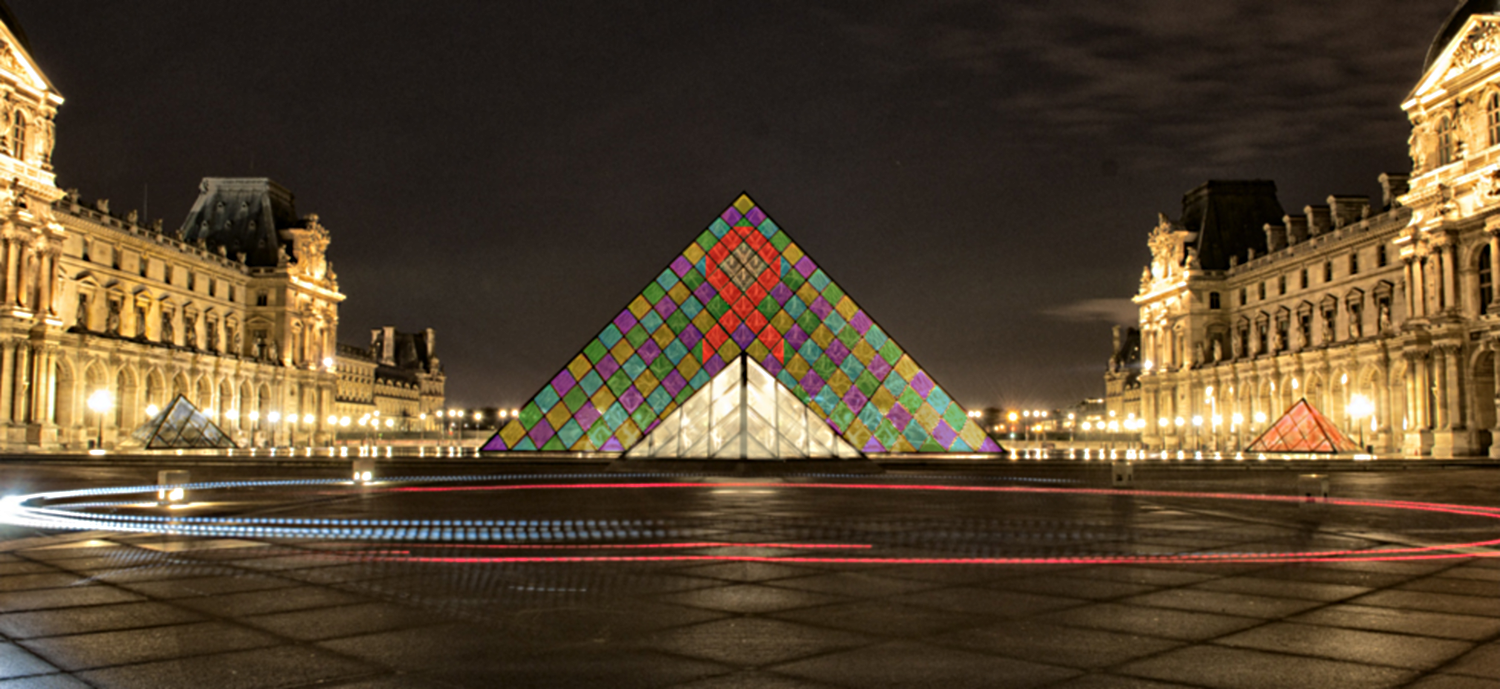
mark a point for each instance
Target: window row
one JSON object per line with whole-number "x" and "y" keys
{"x": 1263, "y": 289}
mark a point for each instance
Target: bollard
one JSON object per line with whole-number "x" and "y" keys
{"x": 173, "y": 484}
{"x": 364, "y": 470}
{"x": 1123, "y": 473}
{"x": 1313, "y": 487}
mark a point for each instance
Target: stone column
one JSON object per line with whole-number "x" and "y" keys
{"x": 1450, "y": 276}
{"x": 7, "y": 379}
{"x": 22, "y": 377}
{"x": 1408, "y": 273}
{"x": 1419, "y": 287}
{"x": 12, "y": 272}
{"x": 1439, "y": 368}
{"x": 1495, "y": 351}
{"x": 1494, "y": 304}
{"x": 44, "y": 268}
{"x": 1454, "y": 382}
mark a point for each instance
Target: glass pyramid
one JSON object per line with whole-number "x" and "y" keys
{"x": 743, "y": 413}
{"x": 181, "y": 426}
{"x": 742, "y": 288}
{"x": 1303, "y": 429}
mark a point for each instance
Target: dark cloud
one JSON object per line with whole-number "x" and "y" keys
{"x": 976, "y": 174}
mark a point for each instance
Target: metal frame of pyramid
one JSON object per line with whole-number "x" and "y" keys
{"x": 1303, "y": 429}
{"x": 743, "y": 287}
{"x": 743, "y": 413}
{"x": 181, "y": 426}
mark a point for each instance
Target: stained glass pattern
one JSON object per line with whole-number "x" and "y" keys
{"x": 181, "y": 426}
{"x": 1303, "y": 429}
{"x": 743, "y": 287}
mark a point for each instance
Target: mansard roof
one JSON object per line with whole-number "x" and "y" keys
{"x": 243, "y": 215}
{"x": 1455, "y": 23}
{"x": 1229, "y": 218}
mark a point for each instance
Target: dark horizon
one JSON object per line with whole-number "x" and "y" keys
{"x": 980, "y": 177}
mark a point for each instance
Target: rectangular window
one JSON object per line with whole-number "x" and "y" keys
{"x": 1263, "y": 291}
{"x": 1281, "y": 284}
{"x": 1354, "y": 263}
{"x": 1380, "y": 258}
{"x": 262, "y": 298}
{"x": 1213, "y": 300}
{"x": 1328, "y": 271}
{"x": 1243, "y": 300}
{"x": 1304, "y": 278}
{"x": 144, "y": 266}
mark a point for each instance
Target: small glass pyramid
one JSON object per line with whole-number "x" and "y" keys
{"x": 1303, "y": 429}
{"x": 743, "y": 413}
{"x": 181, "y": 426}
{"x": 742, "y": 289}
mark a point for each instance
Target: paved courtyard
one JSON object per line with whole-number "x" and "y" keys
{"x": 1015, "y": 576}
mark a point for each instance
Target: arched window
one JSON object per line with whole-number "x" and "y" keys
{"x": 18, "y": 136}
{"x": 1493, "y": 108}
{"x": 1445, "y": 141}
{"x": 1486, "y": 280}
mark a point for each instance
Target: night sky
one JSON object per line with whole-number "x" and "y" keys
{"x": 979, "y": 176}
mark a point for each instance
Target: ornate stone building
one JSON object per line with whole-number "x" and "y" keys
{"x": 237, "y": 309}
{"x": 1245, "y": 308}
{"x": 399, "y": 376}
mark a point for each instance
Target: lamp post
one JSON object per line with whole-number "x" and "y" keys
{"x": 1360, "y": 407}
{"x": 254, "y": 426}
{"x": 1235, "y": 422}
{"x": 1197, "y": 432}
{"x": 333, "y": 422}
{"x": 99, "y": 403}
{"x": 307, "y": 420}
{"x": 272, "y": 418}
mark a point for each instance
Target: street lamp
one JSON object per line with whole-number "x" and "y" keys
{"x": 272, "y": 418}
{"x": 1360, "y": 407}
{"x": 254, "y": 426}
{"x": 99, "y": 403}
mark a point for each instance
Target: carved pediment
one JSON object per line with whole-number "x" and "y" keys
{"x": 1480, "y": 42}
{"x": 15, "y": 61}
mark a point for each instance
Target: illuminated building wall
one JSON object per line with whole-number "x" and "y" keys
{"x": 1249, "y": 310}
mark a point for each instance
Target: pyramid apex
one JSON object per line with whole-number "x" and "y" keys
{"x": 743, "y": 204}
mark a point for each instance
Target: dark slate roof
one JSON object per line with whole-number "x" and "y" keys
{"x": 413, "y": 351}
{"x": 243, "y": 216}
{"x": 1230, "y": 219}
{"x": 9, "y": 18}
{"x": 1461, "y": 14}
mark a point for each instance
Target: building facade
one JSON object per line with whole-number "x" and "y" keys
{"x": 1384, "y": 316}
{"x": 237, "y": 309}
{"x": 397, "y": 379}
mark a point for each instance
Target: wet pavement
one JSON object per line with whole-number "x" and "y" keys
{"x": 1023, "y": 576}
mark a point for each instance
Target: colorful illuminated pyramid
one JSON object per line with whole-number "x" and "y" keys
{"x": 1303, "y": 429}
{"x": 743, "y": 291}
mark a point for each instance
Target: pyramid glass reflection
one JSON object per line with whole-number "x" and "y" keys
{"x": 1302, "y": 429}
{"x": 743, "y": 413}
{"x": 181, "y": 426}
{"x": 743, "y": 288}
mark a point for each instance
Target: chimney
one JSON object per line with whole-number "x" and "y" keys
{"x": 1296, "y": 228}
{"x": 1275, "y": 237}
{"x": 1348, "y": 210}
{"x": 1394, "y": 185}
{"x": 1319, "y": 220}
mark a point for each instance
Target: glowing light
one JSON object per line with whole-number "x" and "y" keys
{"x": 34, "y": 510}
{"x": 152, "y": 410}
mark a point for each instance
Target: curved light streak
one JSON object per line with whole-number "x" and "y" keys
{"x": 35, "y": 510}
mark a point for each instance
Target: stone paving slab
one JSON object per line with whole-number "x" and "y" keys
{"x": 104, "y": 613}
